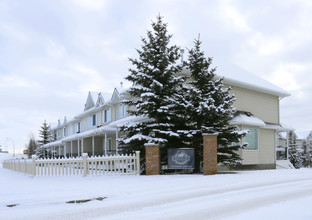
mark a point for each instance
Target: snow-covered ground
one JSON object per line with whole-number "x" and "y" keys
{"x": 271, "y": 194}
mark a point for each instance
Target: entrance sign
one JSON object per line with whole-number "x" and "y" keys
{"x": 181, "y": 158}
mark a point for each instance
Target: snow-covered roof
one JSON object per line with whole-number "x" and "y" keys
{"x": 246, "y": 118}
{"x": 94, "y": 96}
{"x": 106, "y": 96}
{"x": 278, "y": 127}
{"x": 126, "y": 120}
{"x": 237, "y": 76}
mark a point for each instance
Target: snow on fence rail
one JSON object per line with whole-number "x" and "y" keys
{"x": 104, "y": 165}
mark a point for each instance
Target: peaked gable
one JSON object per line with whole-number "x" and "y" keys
{"x": 91, "y": 100}
{"x": 115, "y": 96}
{"x": 100, "y": 100}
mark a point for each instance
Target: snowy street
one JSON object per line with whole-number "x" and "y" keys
{"x": 270, "y": 194}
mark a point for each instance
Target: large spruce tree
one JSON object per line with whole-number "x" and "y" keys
{"x": 154, "y": 91}
{"x": 210, "y": 109}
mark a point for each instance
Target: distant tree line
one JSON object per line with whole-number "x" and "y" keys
{"x": 299, "y": 156}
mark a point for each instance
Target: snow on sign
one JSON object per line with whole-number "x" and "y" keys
{"x": 181, "y": 158}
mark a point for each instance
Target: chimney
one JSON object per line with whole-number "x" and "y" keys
{"x": 121, "y": 83}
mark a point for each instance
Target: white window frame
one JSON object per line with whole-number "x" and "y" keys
{"x": 107, "y": 115}
{"x": 246, "y": 148}
{"x": 70, "y": 130}
{"x": 78, "y": 128}
{"x": 92, "y": 120}
{"x": 64, "y": 132}
{"x": 122, "y": 110}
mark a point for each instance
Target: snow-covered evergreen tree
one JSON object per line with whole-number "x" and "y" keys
{"x": 44, "y": 133}
{"x": 294, "y": 157}
{"x": 32, "y": 146}
{"x": 210, "y": 108}
{"x": 305, "y": 155}
{"x": 154, "y": 91}
{"x": 45, "y": 137}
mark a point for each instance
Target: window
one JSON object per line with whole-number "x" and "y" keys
{"x": 122, "y": 110}
{"x": 64, "y": 132}
{"x": 107, "y": 115}
{"x": 70, "y": 130}
{"x": 252, "y": 139}
{"x": 92, "y": 120}
{"x": 78, "y": 127}
{"x": 58, "y": 134}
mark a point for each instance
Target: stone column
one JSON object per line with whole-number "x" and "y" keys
{"x": 152, "y": 159}
{"x": 210, "y": 154}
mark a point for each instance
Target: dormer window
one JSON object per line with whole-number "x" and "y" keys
{"x": 92, "y": 120}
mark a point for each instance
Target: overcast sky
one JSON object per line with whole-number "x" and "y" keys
{"x": 53, "y": 52}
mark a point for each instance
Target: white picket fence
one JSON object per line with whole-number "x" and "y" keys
{"x": 102, "y": 165}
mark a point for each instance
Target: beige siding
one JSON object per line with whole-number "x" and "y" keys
{"x": 263, "y": 106}
{"x": 267, "y": 146}
{"x": 250, "y": 157}
{"x": 266, "y": 149}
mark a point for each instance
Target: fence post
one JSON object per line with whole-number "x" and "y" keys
{"x": 85, "y": 166}
{"x": 34, "y": 157}
{"x": 137, "y": 154}
{"x": 24, "y": 165}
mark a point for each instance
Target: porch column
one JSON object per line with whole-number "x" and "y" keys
{"x": 116, "y": 140}
{"x": 81, "y": 146}
{"x": 105, "y": 144}
{"x": 65, "y": 150}
{"x": 59, "y": 154}
{"x": 71, "y": 148}
{"x": 93, "y": 146}
{"x": 78, "y": 146}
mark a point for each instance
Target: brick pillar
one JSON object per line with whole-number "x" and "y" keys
{"x": 210, "y": 154}
{"x": 152, "y": 159}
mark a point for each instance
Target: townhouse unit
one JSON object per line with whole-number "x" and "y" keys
{"x": 95, "y": 131}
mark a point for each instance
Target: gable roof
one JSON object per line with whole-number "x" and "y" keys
{"x": 236, "y": 76}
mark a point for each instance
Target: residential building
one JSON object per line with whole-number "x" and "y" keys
{"x": 95, "y": 130}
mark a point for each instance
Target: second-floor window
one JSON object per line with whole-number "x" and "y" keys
{"x": 122, "y": 110}
{"x": 78, "y": 127}
{"x": 64, "y": 132}
{"x": 58, "y": 134}
{"x": 107, "y": 115}
{"x": 92, "y": 120}
{"x": 70, "y": 130}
